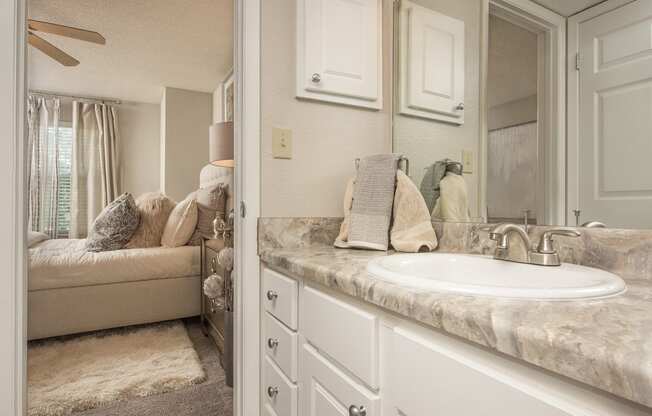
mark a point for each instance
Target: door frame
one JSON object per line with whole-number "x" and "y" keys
{"x": 247, "y": 205}
{"x": 13, "y": 253}
{"x": 573, "y": 135}
{"x": 552, "y": 104}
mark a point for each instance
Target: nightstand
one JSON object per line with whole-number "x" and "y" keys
{"x": 212, "y": 318}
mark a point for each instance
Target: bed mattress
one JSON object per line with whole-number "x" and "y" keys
{"x": 65, "y": 263}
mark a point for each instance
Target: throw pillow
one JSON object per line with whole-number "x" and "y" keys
{"x": 181, "y": 224}
{"x": 154, "y": 208}
{"x": 115, "y": 225}
{"x": 211, "y": 202}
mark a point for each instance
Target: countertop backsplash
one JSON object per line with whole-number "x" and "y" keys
{"x": 627, "y": 253}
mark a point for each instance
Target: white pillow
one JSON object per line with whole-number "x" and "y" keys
{"x": 181, "y": 224}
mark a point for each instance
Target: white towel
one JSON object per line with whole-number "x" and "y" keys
{"x": 412, "y": 230}
{"x": 453, "y": 203}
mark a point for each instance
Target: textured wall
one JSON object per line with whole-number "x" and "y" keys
{"x": 326, "y": 137}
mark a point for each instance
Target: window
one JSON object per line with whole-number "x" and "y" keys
{"x": 65, "y": 177}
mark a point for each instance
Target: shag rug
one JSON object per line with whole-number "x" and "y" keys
{"x": 74, "y": 374}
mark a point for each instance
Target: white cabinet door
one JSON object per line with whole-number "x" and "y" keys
{"x": 421, "y": 377}
{"x": 328, "y": 391}
{"x": 339, "y": 51}
{"x": 431, "y": 75}
{"x": 615, "y": 117}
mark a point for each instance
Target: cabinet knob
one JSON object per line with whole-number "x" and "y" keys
{"x": 272, "y": 343}
{"x": 460, "y": 107}
{"x": 316, "y": 78}
{"x": 271, "y": 295}
{"x": 357, "y": 411}
{"x": 272, "y": 391}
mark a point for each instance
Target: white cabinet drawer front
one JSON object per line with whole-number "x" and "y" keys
{"x": 327, "y": 391}
{"x": 280, "y": 297}
{"x": 280, "y": 344}
{"x": 343, "y": 332}
{"x": 280, "y": 394}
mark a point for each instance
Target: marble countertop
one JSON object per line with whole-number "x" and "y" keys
{"x": 605, "y": 343}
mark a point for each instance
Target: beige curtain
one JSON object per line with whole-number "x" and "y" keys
{"x": 43, "y": 155}
{"x": 95, "y": 163}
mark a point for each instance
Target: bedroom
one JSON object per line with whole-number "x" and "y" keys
{"x": 127, "y": 108}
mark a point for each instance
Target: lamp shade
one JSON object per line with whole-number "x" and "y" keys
{"x": 220, "y": 144}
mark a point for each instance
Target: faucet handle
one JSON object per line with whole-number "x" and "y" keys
{"x": 545, "y": 243}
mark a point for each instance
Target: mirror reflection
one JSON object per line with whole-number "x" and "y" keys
{"x": 526, "y": 131}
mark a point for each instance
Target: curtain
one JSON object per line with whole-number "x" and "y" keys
{"x": 43, "y": 164}
{"x": 95, "y": 166}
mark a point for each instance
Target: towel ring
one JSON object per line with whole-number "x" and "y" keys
{"x": 400, "y": 159}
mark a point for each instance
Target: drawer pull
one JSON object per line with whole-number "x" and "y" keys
{"x": 272, "y": 343}
{"x": 271, "y": 295}
{"x": 272, "y": 391}
{"x": 357, "y": 411}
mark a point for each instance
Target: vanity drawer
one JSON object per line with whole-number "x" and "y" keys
{"x": 280, "y": 393}
{"x": 326, "y": 390}
{"x": 280, "y": 345}
{"x": 280, "y": 297}
{"x": 343, "y": 332}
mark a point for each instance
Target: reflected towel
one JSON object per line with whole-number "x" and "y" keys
{"x": 412, "y": 230}
{"x": 342, "y": 239}
{"x": 453, "y": 203}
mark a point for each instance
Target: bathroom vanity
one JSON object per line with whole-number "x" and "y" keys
{"x": 338, "y": 341}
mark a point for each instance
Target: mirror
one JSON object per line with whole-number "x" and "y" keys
{"x": 515, "y": 134}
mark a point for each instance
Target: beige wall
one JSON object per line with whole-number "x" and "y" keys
{"x": 326, "y": 138}
{"x": 426, "y": 141}
{"x": 186, "y": 116}
{"x": 139, "y": 147}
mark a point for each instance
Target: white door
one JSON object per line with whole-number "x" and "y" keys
{"x": 431, "y": 64}
{"x": 615, "y": 117}
{"x": 328, "y": 391}
{"x": 339, "y": 52}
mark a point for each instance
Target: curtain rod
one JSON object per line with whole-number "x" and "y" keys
{"x": 76, "y": 97}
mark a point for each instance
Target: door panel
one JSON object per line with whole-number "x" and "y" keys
{"x": 615, "y": 117}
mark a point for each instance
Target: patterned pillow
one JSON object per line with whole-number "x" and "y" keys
{"x": 115, "y": 225}
{"x": 154, "y": 208}
{"x": 211, "y": 202}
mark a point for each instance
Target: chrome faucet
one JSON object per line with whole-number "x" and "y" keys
{"x": 545, "y": 253}
{"x": 500, "y": 234}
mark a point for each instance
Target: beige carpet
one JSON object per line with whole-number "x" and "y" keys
{"x": 81, "y": 373}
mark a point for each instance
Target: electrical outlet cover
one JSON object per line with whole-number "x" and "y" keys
{"x": 467, "y": 161}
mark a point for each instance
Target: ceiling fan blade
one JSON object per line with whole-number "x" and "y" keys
{"x": 67, "y": 31}
{"x": 51, "y": 50}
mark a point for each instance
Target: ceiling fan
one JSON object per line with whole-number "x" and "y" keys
{"x": 61, "y": 30}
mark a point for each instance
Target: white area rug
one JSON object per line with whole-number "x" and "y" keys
{"x": 85, "y": 372}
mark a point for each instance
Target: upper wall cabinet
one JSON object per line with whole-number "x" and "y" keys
{"x": 431, "y": 72}
{"x": 339, "y": 51}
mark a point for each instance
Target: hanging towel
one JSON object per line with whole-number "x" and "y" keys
{"x": 373, "y": 197}
{"x": 342, "y": 239}
{"x": 453, "y": 204}
{"x": 430, "y": 183}
{"x": 412, "y": 230}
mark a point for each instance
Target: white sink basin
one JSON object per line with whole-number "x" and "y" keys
{"x": 483, "y": 276}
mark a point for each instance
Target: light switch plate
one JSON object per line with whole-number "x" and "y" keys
{"x": 467, "y": 161}
{"x": 281, "y": 143}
